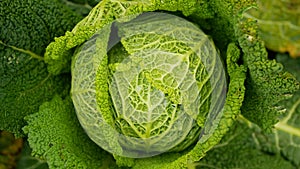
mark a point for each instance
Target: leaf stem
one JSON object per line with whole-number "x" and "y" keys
{"x": 288, "y": 128}
{"x": 32, "y": 54}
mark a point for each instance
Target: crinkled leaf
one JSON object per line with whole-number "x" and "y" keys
{"x": 58, "y": 53}
{"x": 239, "y": 149}
{"x": 267, "y": 83}
{"x": 223, "y": 23}
{"x": 247, "y": 141}
{"x": 26, "y": 30}
{"x": 55, "y": 135}
{"x": 286, "y": 137}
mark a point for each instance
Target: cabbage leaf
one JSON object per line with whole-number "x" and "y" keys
{"x": 246, "y": 140}
{"x": 56, "y": 136}
{"x": 26, "y": 29}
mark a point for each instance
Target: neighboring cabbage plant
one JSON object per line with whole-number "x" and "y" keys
{"x": 279, "y": 24}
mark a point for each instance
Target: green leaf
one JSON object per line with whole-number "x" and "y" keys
{"x": 286, "y": 137}
{"x": 267, "y": 83}
{"x": 26, "y": 30}
{"x": 287, "y": 134}
{"x": 280, "y": 149}
{"x": 55, "y": 135}
{"x": 58, "y": 53}
{"x": 239, "y": 149}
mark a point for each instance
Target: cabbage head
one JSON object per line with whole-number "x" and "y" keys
{"x": 146, "y": 85}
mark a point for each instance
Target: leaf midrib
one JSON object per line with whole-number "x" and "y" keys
{"x": 28, "y": 52}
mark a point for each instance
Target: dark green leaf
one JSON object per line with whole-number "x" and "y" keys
{"x": 27, "y": 27}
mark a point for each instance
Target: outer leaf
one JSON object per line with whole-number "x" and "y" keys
{"x": 287, "y": 133}
{"x": 223, "y": 24}
{"x": 268, "y": 82}
{"x": 286, "y": 137}
{"x": 239, "y": 149}
{"x": 26, "y": 29}
{"x": 55, "y": 135}
{"x": 58, "y": 54}
{"x": 277, "y": 150}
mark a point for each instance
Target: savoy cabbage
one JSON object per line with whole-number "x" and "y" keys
{"x": 188, "y": 86}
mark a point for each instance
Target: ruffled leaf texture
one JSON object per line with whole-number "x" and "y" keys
{"x": 27, "y": 27}
{"x": 279, "y": 149}
{"x": 240, "y": 149}
{"x": 267, "y": 81}
{"x": 267, "y": 84}
{"x": 286, "y": 137}
{"x": 55, "y": 135}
